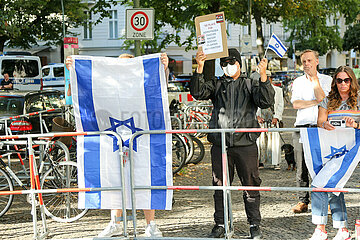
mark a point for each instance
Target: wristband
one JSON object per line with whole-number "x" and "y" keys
{"x": 323, "y": 124}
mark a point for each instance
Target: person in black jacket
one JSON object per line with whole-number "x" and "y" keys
{"x": 235, "y": 100}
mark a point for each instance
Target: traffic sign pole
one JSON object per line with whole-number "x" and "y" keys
{"x": 137, "y": 42}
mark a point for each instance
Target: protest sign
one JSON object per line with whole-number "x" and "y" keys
{"x": 211, "y": 35}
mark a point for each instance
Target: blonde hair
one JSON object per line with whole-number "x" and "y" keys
{"x": 126, "y": 55}
{"x": 316, "y": 53}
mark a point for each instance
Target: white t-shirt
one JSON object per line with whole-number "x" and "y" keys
{"x": 303, "y": 89}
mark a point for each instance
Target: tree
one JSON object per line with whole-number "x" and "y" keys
{"x": 23, "y": 22}
{"x": 352, "y": 38}
{"x": 311, "y": 23}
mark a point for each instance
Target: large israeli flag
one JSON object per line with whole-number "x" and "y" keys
{"x": 330, "y": 156}
{"x": 277, "y": 46}
{"x": 125, "y": 96}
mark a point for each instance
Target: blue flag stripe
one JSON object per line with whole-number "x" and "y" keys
{"x": 155, "y": 114}
{"x": 345, "y": 164}
{"x": 314, "y": 141}
{"x": 92, "y": 170}
{"x": 275, "y": 50}
{"x": 279, "y": 42}
{"x": 85, "y": 96}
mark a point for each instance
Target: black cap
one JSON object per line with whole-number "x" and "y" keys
{"x": 233, "y": 54}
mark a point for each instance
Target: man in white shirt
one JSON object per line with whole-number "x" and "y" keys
{"x": 307, "y": 92}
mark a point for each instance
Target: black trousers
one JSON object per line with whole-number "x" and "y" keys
{"x": 245, "y": 160}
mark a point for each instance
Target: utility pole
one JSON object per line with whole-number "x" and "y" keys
{"x": 63, "y": 17}
{"x": 137, "y": 42}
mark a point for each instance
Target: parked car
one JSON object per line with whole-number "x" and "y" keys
{"x": 327, "y": 71}
{"x": 53, "y": 76}
{"x": 13, "y": 103}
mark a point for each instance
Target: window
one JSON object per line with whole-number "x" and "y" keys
{"x": 271, "y": 29}
{"x": 45, "y": 72}
{"x": 88, "y": 26}
{"x": 58, "y": 72}
{"x": 20, "y": 68}
{"x": 113, "y": 25}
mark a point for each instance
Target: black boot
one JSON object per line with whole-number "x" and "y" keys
{"x": 255, "y": 232}
{"x": 217, "y": 232}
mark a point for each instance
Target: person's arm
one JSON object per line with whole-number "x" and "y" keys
{"x": 318, "y": 92}
{"x": 8, "y": 86}
{"x": 323, "y": 119}
{"x": 200, "y": 88}
{"x": 279, "y": 104}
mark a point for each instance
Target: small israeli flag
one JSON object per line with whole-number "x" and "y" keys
{"x": 277, "y": 46}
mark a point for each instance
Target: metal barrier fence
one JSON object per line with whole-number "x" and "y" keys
{"x": 35, "y": 179}
{"x": 226, "y": 188}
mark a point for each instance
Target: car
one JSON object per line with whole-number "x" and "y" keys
{"x": 327, "y": 71}
{"x": 53, "y": 76}
{"x": 14, "y": 103}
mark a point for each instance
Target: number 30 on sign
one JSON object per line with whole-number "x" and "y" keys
{"x": 140, "y": 23}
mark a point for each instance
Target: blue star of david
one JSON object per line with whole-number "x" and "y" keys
{"x": 337, "y": 152}
{"x": 130, "y": 124}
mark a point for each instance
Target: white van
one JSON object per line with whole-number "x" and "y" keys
{"x": 24, "y": 71}
{"x": 53, "y": 76}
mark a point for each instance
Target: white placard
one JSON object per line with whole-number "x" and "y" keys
{"x": 211, "y": 31}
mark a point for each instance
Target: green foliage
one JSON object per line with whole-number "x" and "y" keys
{"x": 23, "y": 22}
{"x": 308, "y": 23}
{"x": 352, "y": 38}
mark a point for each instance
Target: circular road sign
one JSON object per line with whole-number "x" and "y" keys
{"x": 140, "y": 23}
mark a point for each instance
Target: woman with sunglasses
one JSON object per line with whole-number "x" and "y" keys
{"x": 342, "y": 103}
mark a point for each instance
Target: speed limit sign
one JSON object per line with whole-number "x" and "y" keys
{"x": 140, "y": 23}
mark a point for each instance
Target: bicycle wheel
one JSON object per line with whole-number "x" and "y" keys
{"x": 189, "y": 146}
{"x": 178, "y": 153}
{"x": 56, "y": 152}
{"x": 5, "y": 185}
{"x": 199, "y": 151}
{"x": 62, "y": 207}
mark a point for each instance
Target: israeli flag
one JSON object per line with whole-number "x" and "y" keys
{"x": 124, "y": 96}
{"x": 277, "y": 46}
{"x": 330, "y": 156}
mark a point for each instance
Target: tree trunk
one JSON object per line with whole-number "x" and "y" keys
{"x": 259, "y": 34}
{"x": 2, "y": 44}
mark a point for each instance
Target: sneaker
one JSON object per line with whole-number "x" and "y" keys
{"x": 217, "y": 232}
{"x": 300, "y": 208}
{"x": 152, "y": 230}
{"x": 111, "y": 229}
{"x": 319, "y": 235}
{"x": 255, "y": 232}
{"x": 342, "y": 234}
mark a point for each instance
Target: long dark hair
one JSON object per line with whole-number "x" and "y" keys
{"x": 334, "y": 95}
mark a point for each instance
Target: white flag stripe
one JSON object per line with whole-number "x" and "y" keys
{"x": 330, "y": 156}
{"x": 123, "y": 95}
{"x": 277, "y": 46}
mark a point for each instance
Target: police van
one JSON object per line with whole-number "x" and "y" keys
{"x": 53, "y": 76}
{"x": 24, "y": 71}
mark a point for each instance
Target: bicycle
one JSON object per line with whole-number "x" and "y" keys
{"x": 56, "y": 172}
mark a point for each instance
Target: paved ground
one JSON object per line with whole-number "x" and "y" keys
{"x": 193, "y": 210}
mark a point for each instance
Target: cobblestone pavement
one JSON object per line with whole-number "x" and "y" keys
{"x": 192, "y": 214}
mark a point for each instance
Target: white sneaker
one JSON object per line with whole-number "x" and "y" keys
{"x": 152, "y": 230}
{"x": 111, "y": 229}
{"x": 342, "y": 234}
{"x": 319, "y": 235}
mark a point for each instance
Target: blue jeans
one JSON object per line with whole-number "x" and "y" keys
{"x": 319, "y": 208}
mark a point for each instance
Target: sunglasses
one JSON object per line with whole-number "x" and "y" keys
{"x": 231, "y": 62}
{"x": 346, "y": 80}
